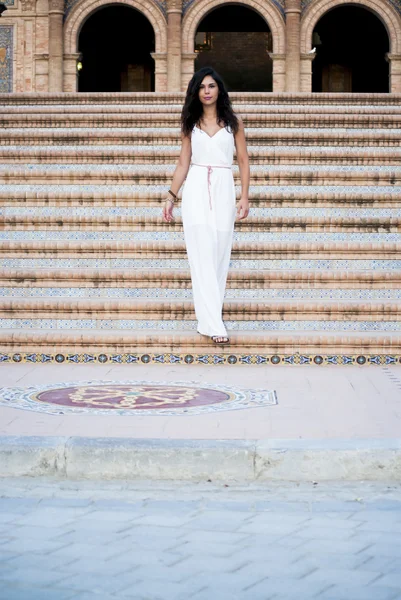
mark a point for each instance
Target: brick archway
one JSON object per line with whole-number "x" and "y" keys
{"x": 388, "y": 16}
{"x": 81, "y": 11}
{"x": 201, "y": 8}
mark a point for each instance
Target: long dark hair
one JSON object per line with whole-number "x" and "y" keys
{"x": 192, "y": 110}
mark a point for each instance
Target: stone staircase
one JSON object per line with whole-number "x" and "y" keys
{"x": 89, "y": 271}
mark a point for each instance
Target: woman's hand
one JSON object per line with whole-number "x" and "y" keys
{"x": 168, "y": 210}
{"x": 242, "y": 209}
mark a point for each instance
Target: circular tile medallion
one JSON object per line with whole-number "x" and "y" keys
{"x": 134, "y": 397}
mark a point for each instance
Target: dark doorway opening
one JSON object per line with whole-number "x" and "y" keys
{"x": 351, "y": 43}
{"x": 115, "y": 43}
{"x": 235, "y": 40}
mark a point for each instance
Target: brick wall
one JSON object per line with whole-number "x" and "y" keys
{"x": 241, "y": 59}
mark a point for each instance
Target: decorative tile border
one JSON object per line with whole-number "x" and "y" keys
{"x": 277, "y": 3}
{"x": 6, "y": 58}
{"x": 200, "y": 359}
{"x": 230, "y": 398}
{"x": 397, "y": 5}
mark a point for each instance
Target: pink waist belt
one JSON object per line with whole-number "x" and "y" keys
{"x": 209, "y": 174}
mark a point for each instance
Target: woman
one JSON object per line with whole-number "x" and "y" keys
{"x": 210, "y": 129}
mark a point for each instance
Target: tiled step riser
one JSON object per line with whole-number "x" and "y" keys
{"x": 176, "y": 325}
{"x": 383, "y": 265}
{"x": 295, "y": 137}
{"x": 173, "y": 294}
{"x": 151, "y": 214}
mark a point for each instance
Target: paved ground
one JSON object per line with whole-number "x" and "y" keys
{"x": 337, "y": 402}
{"x": 152, "y": 541}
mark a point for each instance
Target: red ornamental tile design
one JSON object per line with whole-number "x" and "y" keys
{"x": 132, "y": 397}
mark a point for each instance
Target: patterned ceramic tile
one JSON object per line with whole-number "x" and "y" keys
{"x": 155, "y": 211}
{"x": 313, "y": 190}
{"x": 6, "y": 56}
{"x": 295, "y": 359}
{"x": 178, "y": 236}
{"x": 133, "y": 263}
{"x": 128, "y": 169}
{"x": 178, "y": 325}
{"x": 186, "y": 294}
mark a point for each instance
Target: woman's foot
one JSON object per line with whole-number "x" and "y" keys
{"x": 220, "y": 339}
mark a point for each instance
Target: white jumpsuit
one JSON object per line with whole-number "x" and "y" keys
{"x": 208, "y": 214}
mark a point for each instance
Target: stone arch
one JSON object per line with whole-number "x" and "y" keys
{"x": 82, "y": 10}
{"x": 266, "y": 10}
{"x": 386, "y": 13}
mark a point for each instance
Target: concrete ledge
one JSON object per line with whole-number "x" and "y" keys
{"x": 275, "y": 460}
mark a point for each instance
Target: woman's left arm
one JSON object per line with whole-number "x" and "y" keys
{"x": 243, "y": 164}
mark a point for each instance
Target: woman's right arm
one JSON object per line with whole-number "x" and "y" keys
{"x": 179, "y": 176}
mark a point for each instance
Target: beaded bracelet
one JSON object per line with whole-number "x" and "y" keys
{"x": 173, "y": 195}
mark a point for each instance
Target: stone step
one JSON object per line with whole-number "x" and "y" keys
{"x": 162, "y": 174}
{"x": 279, "y": 136}
{"x": 161, "y": 310}
{"x": 254, "y": 281}
{"x": 163, "y": 120}
{"x": 96, "y": 108}
{"x": 161, "y": 251}
{"x": 271, "y": 155}
{"x": 122, "y": 197}
{"x": 177, "y": 98}
{"x": 114, "y": 225}
{"x": 190, "y": 343}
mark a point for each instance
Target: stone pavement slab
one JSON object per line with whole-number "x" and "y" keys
{"x": 329, "y": 423}
{"x": 339, "y": 402}
{"x": 192, "y": 559}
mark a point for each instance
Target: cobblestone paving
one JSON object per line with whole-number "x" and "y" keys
{"x": 149, "y": 541}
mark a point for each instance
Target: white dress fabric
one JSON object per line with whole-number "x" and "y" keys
{"x": 208, "y": 214}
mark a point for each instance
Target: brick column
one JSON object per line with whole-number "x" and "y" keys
{"x": 395, "y": 72}
{"x": 41, "y": 72}
{"x": 56, "y": 13}
{"x": 70, "y": 79}
{"x": 188, "y": 69}
{"x": 174, "y": 16}
{"x": 278, "y": 71}
{"x": 306, "y": 72}
{"x": 293, "y": 40}
{"x": 160, "y": 71}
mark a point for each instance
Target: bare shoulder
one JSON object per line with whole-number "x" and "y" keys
{"x": 240, "y": 121}
{"x": 241, "y": 129}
